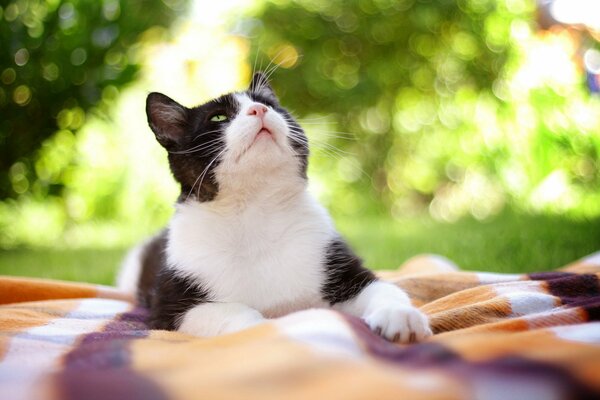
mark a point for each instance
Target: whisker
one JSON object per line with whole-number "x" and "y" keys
{"x": 205, "y": 133}
{"x": 255, "y": 60}
{"x": 199, "y": 147}
{"x": 207, "y": 167}
{"x": 202, "y": 174}
{"x": 314, "y": 119}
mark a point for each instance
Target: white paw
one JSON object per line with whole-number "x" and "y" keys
{"x": 241, "y": 321}
{"x": 399, "y": 323}
{"x": 212, "y": 319}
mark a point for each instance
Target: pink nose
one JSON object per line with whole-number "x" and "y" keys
{"x": 257, "y": 109}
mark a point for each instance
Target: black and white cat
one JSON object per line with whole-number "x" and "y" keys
{"x": 247, "y": 241}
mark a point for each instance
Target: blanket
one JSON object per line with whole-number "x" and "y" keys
{"x": 497, "y": 336}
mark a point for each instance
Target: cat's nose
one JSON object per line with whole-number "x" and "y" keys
{"x": 257, "y": 109}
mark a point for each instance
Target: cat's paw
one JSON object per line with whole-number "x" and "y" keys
{"x": 241, "y": 322}
{"x": 399, "y": 323}
{"x": 212, "y": 319}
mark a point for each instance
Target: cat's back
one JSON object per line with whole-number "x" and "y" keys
{"x": 141, "y": 266}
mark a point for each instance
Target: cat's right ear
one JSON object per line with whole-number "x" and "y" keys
{"x": 167, "y": 118}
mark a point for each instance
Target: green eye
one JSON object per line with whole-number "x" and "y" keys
{"x": 218, "y": 118}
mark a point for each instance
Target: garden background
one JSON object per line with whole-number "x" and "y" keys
{"x": 467, "y": 128}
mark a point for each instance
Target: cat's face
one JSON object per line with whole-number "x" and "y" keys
{"x": 235, "y": 140}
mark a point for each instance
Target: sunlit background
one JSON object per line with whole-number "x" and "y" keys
{"x": 469, "y": 128}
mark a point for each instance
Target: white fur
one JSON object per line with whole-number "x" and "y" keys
{"x": 211, "y": 319}
{"x": 386, "y": 308}
{"x": 267, "y": 255}
{"x": 258, "y": 247}
{"x": 129, "y": 274}
{"x": 262, "y": 240}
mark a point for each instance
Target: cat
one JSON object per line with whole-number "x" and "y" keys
{"x": 247, "y": 241}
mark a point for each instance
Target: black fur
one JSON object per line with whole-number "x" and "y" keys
{"x": 168, "y": 296}
{"x": 153, "y": 259}
{"x": 193, "y": 148}
{"x": 346, "y": 275}
{"x": 171, "y": 297}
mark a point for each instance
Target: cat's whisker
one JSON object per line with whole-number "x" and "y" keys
{"x": 202, "y": 174}
{"x": 279, "y": 63}
{"x": 255, "y": 60}
{"x": 315, "y": 119}
{"x": 207, "y": 167}
{"x": 329, "y": 135}
{"x": 200, "y": 147}
{"x": 335, "y": 134}
{"x": 273, "y": 66}
{"x": 205, "y": 133}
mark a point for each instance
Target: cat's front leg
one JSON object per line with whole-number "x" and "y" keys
{"x": 212, "y": 319}
{"x": 388, "y": 311}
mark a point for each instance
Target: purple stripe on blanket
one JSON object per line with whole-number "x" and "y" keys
{"x": 100, "y": 366}
{"x": 518, "y": 376}
{"x": 550, "y": 275}
{"x": 590, "y": 306}
{"x": 571, "y": 288}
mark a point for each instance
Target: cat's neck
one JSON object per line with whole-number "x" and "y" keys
{"x": 273, "y": 191}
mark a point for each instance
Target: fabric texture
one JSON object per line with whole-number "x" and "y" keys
{"x": 497, "y": 336}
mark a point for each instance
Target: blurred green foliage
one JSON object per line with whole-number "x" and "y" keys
{"x": 58, "y": 60}
{"x": 459, "y": 106}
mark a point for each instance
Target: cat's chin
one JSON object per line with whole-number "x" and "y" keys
{"x": 264, "y": 146}
{"x": 264, "y": 133}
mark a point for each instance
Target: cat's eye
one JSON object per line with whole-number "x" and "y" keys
{"x": 218, "y": 118}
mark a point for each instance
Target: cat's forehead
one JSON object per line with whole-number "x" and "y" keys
{"x": 235, "y": 101}
{"x": 225, "y": 102}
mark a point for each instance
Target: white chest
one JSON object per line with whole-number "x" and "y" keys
{"x": 269, "y": 256}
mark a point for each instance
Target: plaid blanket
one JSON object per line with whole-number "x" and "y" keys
{"x": 498, "y": 336}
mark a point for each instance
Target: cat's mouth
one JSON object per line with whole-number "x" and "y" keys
{"x": 264, "y": 133}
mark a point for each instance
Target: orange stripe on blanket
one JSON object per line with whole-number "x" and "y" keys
{"x": 543, "y": 345}
{"x": 459, "y": 299}
{"x": 262, "y": 363}
{"x": 583, "y": 359}
{"x": 17, "y": 290}
{"x": 425, "y": 288}
{"x": 477, "y": 314}
{"x": 556, "y": 317}
{"x": 16, "y": 319}
{"x": 37, "y": 351}
{"x": 586, "y": 265}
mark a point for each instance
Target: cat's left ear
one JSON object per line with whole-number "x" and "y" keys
{"x": 167, "y": 118}
{"x": 260, "y": 84}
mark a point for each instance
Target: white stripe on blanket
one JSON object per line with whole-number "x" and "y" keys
{"x": 44, "y": 345}
{"x": 324, "y": 331}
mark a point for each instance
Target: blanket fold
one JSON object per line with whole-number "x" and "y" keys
{"x": 497, "y": 336}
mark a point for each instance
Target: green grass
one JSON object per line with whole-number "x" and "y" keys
{"x": 508, "y": 243}
{"x": 80, "y": 265}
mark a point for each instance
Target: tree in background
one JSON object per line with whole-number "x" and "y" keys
{"x": 456, "y": 107}
{"x": 59, "y": 60}
{"x": 459, "y": 106}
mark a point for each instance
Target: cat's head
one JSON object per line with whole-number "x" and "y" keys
{"x": 241, "y": 140}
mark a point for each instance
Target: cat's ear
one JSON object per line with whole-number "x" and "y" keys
{"x": 167, "y": 118}
{"x": 260, "y": 84}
